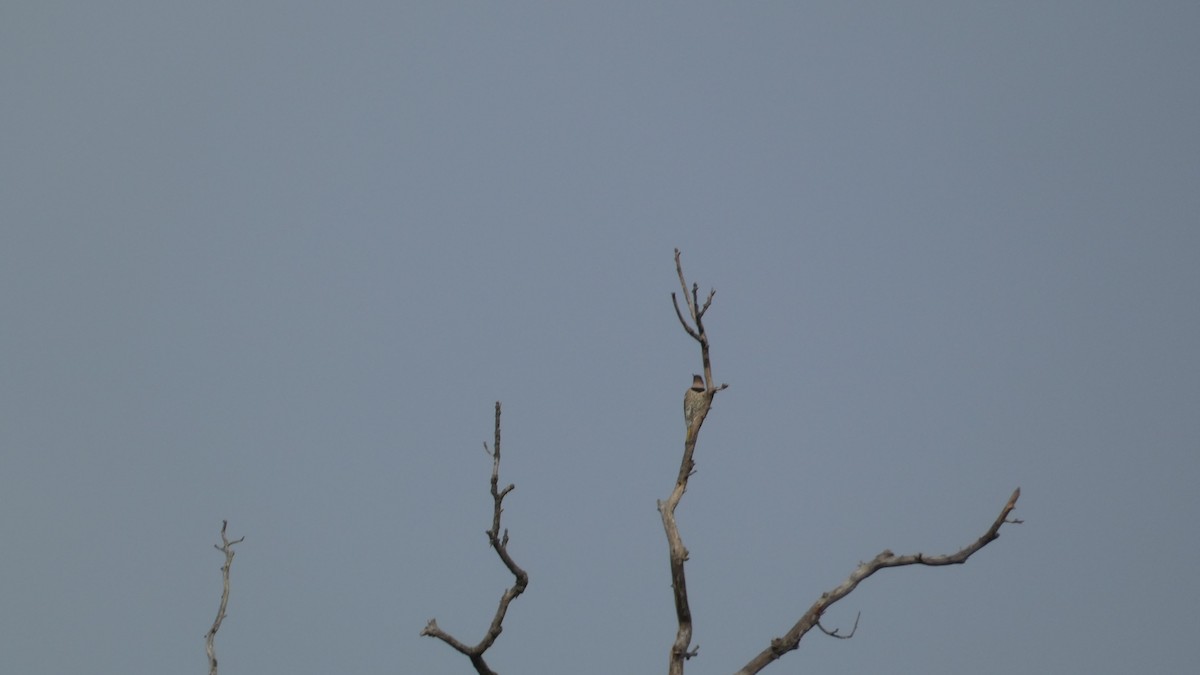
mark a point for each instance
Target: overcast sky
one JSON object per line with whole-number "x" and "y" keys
{"x": 273, "y": 262}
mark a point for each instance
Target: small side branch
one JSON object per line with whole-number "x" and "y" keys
{"x": 225, "y": 547}
{"x": 499, "y": 542}
{"x": 834, "y": 633}
{"x": 811, "y": 618}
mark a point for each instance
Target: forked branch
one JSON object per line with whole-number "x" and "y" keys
{"x": 225, "y": 547}
{"x": 499, "y": 542}
{"x": 812, "y": 618}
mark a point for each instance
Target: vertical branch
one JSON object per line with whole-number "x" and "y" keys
{"x": 499, "y": 542}
{"x": 226, "y": 547}
{"x": 681, "y": 649}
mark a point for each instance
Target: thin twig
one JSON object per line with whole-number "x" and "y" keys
{"x": 834, "y": 633}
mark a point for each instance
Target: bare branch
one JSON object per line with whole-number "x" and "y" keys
{"x": 707, "y": 302}
{"x": 499, "y": 542}
{"x": 225, "y": 547}
{"x": 811, "y": 618}
{"x": 683, "y": 285}
{"x": 687, "y": 327}
{"x": 681, "y": 648}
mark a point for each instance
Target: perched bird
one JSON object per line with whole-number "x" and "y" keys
{"x": 693, "y": 402}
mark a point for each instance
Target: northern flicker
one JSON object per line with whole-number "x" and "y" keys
{"x": 693, "y": 402}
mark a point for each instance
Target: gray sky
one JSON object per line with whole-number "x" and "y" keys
{"x": 273, "y": 262}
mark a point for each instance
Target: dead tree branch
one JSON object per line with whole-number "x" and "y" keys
{"x": 693, "y": 324}
{"x": 811, "y": 618}
{"x": 499, "y": 542}
{"x": 225, "y": 547}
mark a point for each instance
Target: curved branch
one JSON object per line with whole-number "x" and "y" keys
{"x": 683, "y": 321}
{"x": 834, "y": 633}
{"x": 500, "y": 544}
{"x": 811, "y": 618}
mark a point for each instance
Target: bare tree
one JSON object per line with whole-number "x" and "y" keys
{"x": 695, "y": 414}
{"x": 500, "y": 544}
{"x": 697, "y": 404}
{"x": 225, "y": 547}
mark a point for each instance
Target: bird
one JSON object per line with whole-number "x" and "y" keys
{"x": 693, "y": 402}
